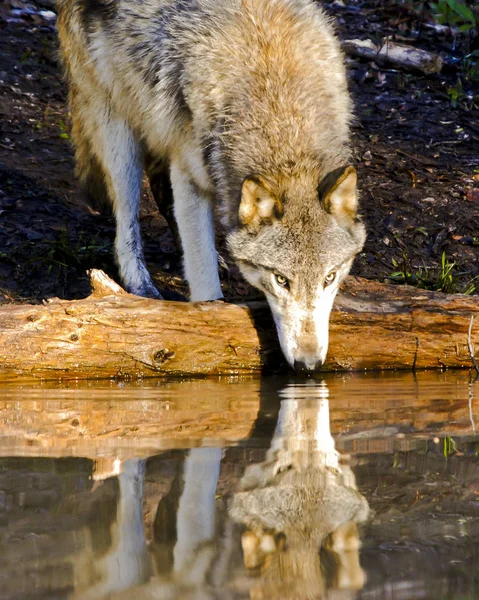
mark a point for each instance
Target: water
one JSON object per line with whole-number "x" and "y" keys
{"x": 235, "y": 488}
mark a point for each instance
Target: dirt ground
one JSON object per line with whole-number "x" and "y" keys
{"x": 416, "y": 141}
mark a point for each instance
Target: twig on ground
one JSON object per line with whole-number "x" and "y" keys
{"x": 388, "y": 52}
{"x": 470, "y": 346}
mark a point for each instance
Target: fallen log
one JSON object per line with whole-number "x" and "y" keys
{"x": 397, "y": 55}
{"x": 373, "y": 326}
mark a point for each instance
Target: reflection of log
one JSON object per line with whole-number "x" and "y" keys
{"x": 374, "y": 326}
{"x": 108, "y": 422}
{"x": 111, "y": 422}
{"x": 397, "y": 55}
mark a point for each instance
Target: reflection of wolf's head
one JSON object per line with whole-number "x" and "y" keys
{"x": 300, "y": 507}
{"x": 296, "y": 246}
{"x": 301, "y": 533}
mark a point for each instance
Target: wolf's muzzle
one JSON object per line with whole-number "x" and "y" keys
{"x": 307, "y": 368}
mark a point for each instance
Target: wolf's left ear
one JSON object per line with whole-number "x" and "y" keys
{"x": 258, "y": 205}
{"x": 338, "y": 193}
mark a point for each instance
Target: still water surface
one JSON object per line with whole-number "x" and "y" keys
{"x": 354, "y": 487}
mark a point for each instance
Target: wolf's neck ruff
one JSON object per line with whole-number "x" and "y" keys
{"x": 244, "y": 106}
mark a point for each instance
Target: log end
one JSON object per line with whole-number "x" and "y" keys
{"x": 102, "y": 285}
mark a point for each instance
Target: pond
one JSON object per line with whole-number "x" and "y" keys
{"x": 353, "y": 486}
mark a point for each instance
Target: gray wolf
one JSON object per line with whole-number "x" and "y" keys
{"x": 243, "y": 105}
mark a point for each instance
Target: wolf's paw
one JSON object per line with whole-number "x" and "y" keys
{"x": 146, "y": 290}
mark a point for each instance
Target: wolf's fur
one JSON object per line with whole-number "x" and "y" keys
{"x": 245, "y": 104}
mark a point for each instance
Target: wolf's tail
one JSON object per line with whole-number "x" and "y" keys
{"x": 90, "y": 172}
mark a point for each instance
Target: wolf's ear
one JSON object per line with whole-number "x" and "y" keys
{"x": 258, "y": 204}
{"x": 338, "y": 193}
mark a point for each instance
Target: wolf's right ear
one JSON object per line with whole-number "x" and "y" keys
{"x": 337, "y": 191}
{"x": 258, "y": 204}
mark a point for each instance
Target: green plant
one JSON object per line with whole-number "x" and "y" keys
{"x": 446, "y": 280}
{"x": 471, "y": 66}
{"x": 463, "y": 18}
{"x": 449, "y": 446}
{"x": 470, "y": 286}
{"x": 63, "y": 133}
{"x": 456, "y": 92}
{"x": 455, "y": 13}
{"x": 70, "y": 255}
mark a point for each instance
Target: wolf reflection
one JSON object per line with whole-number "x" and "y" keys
{"x": 296, "y": 514}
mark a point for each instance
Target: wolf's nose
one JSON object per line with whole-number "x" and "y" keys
{"x": 300, "y": 366}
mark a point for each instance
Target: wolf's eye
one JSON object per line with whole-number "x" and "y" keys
{"x": 330, "y": 277}
{"x": 281, "y": 280}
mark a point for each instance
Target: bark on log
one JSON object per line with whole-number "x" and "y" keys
{"x": 373, "y": 326}
{"x": 397, "y": 55}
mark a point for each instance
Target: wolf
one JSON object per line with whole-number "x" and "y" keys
{"x": 242, "y": 108}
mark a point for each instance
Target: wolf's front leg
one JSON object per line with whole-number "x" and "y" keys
{"x": 194, "y": 215}
{"x": 126, "y": 173}
{"x": 112, "y": 142}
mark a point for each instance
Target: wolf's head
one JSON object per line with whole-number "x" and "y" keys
{"x": 297, "y": 251}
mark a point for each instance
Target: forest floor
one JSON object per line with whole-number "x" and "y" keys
{"x": 416, "y": 148}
